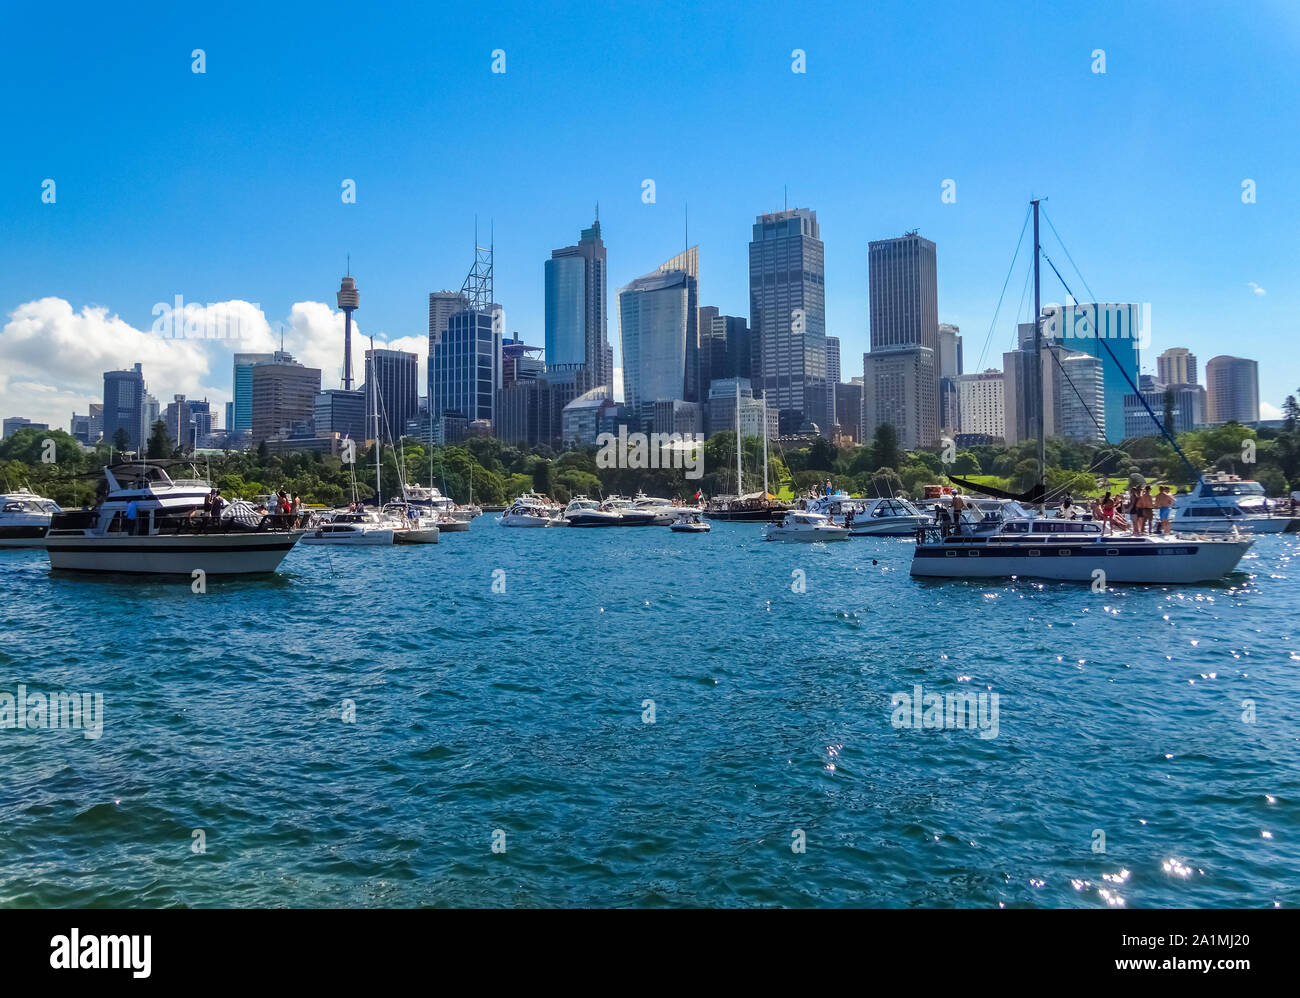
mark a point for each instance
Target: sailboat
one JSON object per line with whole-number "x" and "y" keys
{"x": 756, "y": 507}
{"x": 1037, "y": 546}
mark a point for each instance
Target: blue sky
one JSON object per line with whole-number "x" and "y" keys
{"x": 226, "y": 185}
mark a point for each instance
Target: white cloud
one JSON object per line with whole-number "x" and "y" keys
{"x": 1267, "y": 411}
{"x": 1256, "y": 288}
{"x": 53, "y": 358}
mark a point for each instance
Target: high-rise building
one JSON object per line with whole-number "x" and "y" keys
{"x": 15, "y": 423}
{"x": 124, "y": 394}
{"x": 833, "y": 360}
{"x": 904, "y": 309}
{"x": 150, "y": 413}
{"x": 1078, "y": 396}
{"x": 393, "y": 380}
{"x": 180, "y": 422}
{"x": 442, "y": 306}
{"x": 242, "y": 421}
{"x": 201, "y": 414}
{"x": 724, "y": 348}
{"x": 900, "y": 388}
{"x": 980, "y": 404}
{"x": 465, "y": 361}
{"x": 1111, "y": 333}
{"x": 848, "y": 408}
{"x": 284, "y": 397}
{"x": 657, "y": 324}
{"x": 343, "y": 412}
{"x": 230, "y": 419}
{"x": 787, "y": 317}
{"x": 577, "y": 328}
{"x": 349, "y": 299}
{"x": 1180, "y": 407}
{"x": 1232, "y": 390}
{"x": 1177, "y": 366}
{"x": 950, "y": 363}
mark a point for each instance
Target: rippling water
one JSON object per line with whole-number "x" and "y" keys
{"x": 478, "y": 712}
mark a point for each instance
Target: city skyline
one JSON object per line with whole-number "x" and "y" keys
{"x": 1165, "y": 223}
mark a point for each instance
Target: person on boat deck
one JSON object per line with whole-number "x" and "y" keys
{"x": 1146, "y": 507}
{"x": 207, "y": 503}
{"x": 1164, "y": 502}
{"x": 132, "y": 512}
{"x": 1068, "y": 511}
{"x": 828, "y": 486}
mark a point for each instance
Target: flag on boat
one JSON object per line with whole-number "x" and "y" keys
{"x": 698, "y": 493}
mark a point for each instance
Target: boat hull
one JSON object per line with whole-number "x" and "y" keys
{"x": 529, "y": 521}
{"x": 1225, "y": 525}
{"x": 362, "y": 539}
{"x": 219, "y": 554}
{"x": 1172, "y": 562}
{"x": 808, "y": 536}
{"x": 890, "y": 526}
{"x": 416, "y": 535}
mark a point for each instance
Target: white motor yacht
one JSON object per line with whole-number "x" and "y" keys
{"x": 150, "y": 525}
{"x": 531, "y": 510}
{"x": 411, "y": 525}
{"x": 871, "y": 517}
{"x": 352, "y": 529}
{"x": 1072, "y": 550}
{"x": 584, "y": 512}
{"x": 800, "y": 525}
{"x": 662, "y": 511}
{"x": 1223, "y": 503}
{"x": 24, "y": 519}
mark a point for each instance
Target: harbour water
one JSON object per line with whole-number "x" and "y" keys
{"x": 501, "y": 683}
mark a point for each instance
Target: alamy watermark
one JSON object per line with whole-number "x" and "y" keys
{"x": 179, "y": 320}
{"x": 62, "y": 710}
{"x": 639, "y": 451}
{"x": 948, "y": 712}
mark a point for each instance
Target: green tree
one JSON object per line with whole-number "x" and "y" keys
{"x": 160, "y": 444}
{"x": 884, "y": 447}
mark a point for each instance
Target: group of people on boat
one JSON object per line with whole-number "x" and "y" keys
{"x": 286, "y": 510}
{"x": 1136, "y": 510}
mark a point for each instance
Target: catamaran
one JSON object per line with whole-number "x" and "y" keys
{"x": 1036, "y": 546}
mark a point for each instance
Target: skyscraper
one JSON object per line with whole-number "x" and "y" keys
{"x": 465, "y": 360}
{"x": 243, "y": 390}
{"x": 1232, "y": 390}
{"x": 904, "y": 310}
{"x": 833, "y": 360}
{"x": 393, "y": 379}
{"x": 577, "y": 328}
{"x": 1110, "y": 332}
{"x": 442, "y": 306}
{"x": 980, "y": 404}
{"x": 787, "y": 316}
{"x": 124, "y": 393}
{"x": 657, "y": 319}
{"x": 179, "y": 419}
{"x": 724, "y": 348}
{"x": 284, "y": 397}
{"x": 1176, "y": 366}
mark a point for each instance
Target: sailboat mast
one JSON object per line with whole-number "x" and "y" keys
{"x": 763, "y": 412}
{"x": 739, "y": 485}
{"x": 1038, "y": 368}
{"x": 374, "y": 395}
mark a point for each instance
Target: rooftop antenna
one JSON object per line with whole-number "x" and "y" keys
{"x": 597, "y": 211}
{"x": 687, "y": 244}
{"x": 785, "y": 193}
{"x": 349, "y": 265}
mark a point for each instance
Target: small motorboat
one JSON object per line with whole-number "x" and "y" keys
{"x": 352, "y": 529}
{"x": 802, "y": 526}
{"x": 410, "y": 524}
{"x": 689, "y": 522}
